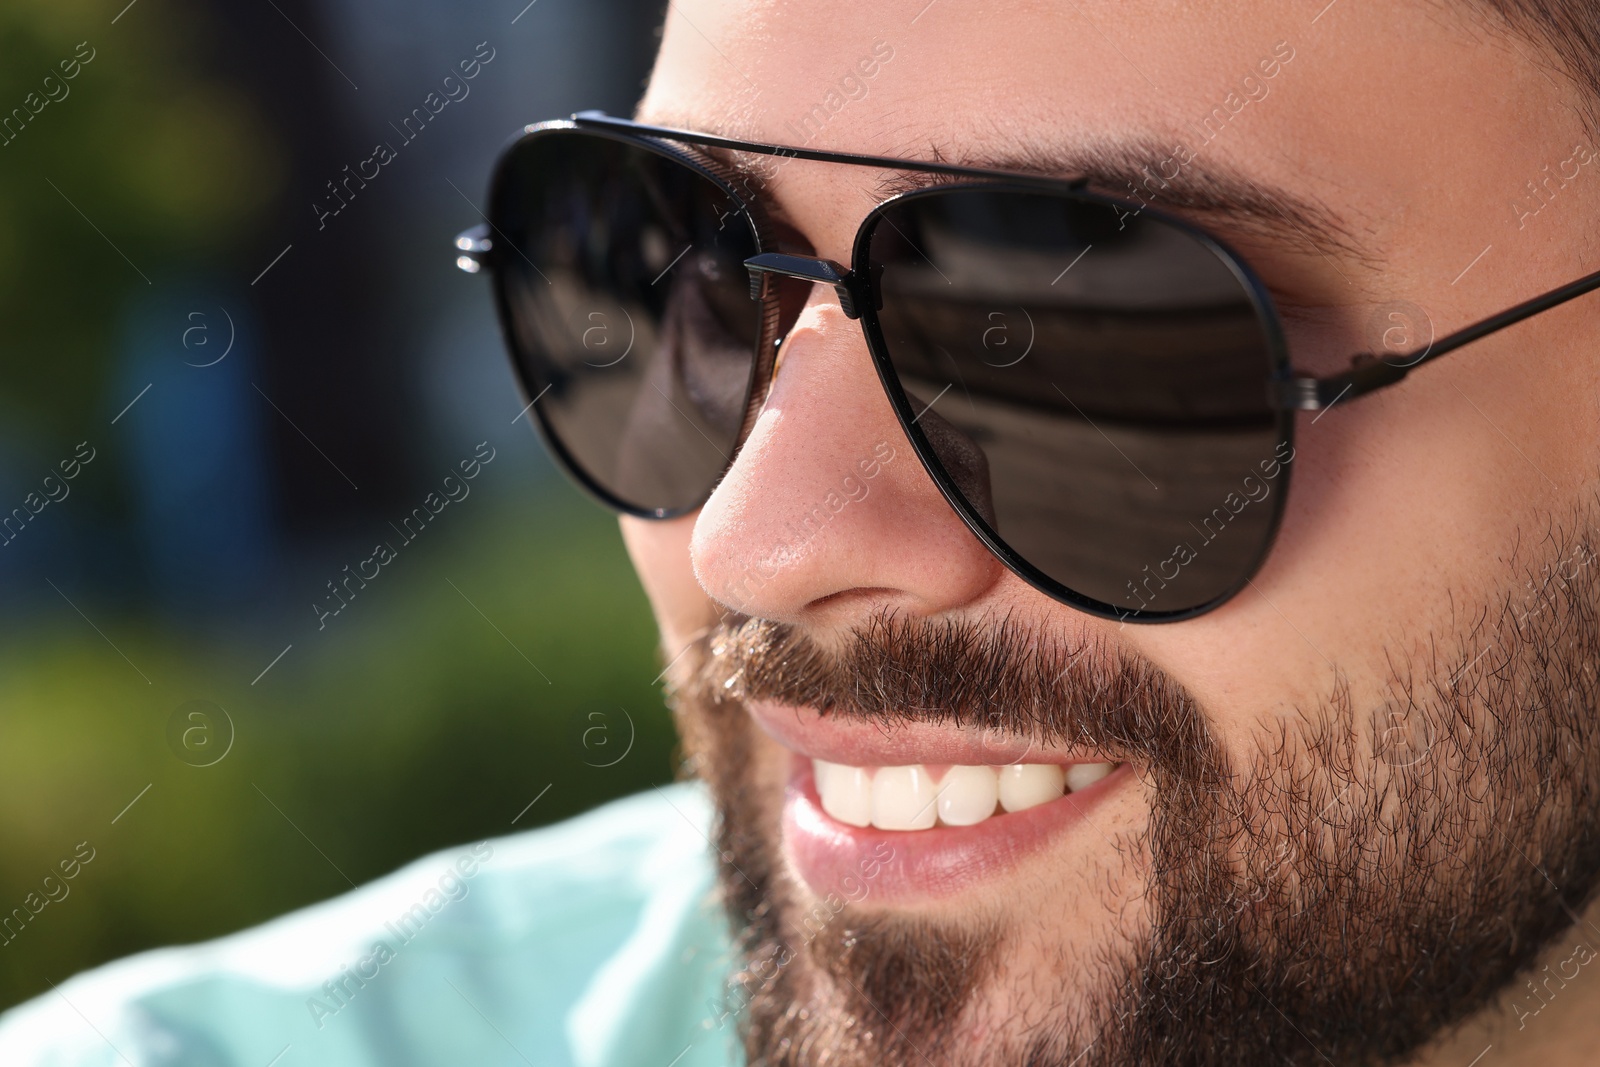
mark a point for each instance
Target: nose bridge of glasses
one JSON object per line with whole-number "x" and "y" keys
{"x": 807, "y": 269}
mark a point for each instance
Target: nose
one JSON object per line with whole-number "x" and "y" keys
{"x": 826, "y": 508}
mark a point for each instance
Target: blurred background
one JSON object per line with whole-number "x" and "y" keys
{"x": 230, "y": 366}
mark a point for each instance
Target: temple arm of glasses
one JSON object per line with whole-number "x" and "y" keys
{"x": 1368, "y": 373}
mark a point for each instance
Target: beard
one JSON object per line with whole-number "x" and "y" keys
{"x": 1358, "y": 882}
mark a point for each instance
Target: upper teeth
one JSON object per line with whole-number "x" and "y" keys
{"x": 908, "y": 798}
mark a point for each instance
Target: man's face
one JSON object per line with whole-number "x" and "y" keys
{"x": 1353, "y": 799}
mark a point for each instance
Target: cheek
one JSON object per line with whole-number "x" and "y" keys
{"x": 660, "y": 554}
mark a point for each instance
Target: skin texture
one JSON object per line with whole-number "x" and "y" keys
{"x": 1413, "y": 125}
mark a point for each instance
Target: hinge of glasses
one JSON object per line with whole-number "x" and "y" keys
{"x": 1366, "y": 373}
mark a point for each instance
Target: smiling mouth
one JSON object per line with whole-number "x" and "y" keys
{"x": 952, "y": 808}
{"x": 920, "y": 796}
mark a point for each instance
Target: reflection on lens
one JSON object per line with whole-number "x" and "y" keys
{"x": 1093, "y": 382}
{"x": 627, "y": 305}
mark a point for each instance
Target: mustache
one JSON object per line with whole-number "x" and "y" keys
{"x": 1001, "y": 677}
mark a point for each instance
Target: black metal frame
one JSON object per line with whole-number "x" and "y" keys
{"x": 1287, "y": 392}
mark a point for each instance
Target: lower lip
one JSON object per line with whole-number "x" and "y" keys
{"x": 860, "y": 862}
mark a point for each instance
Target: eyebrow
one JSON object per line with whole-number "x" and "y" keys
{"x": 1138, "y": 171}
{"x": 1143, "y": 173}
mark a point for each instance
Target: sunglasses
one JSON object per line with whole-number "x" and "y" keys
{"x": 1100, "y": 390}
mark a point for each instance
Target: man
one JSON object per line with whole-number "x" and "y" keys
{"x": 1342, "y": 808}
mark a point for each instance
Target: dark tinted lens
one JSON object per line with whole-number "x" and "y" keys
{"x": 1094, "y": 382}
{"x": 628, "y": 308}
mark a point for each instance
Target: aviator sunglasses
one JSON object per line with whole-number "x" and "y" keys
{"x": 1100, "y": 390}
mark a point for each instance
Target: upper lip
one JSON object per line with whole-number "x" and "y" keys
{"x": 857, "y": 743}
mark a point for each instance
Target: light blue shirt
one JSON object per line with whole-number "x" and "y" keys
{"x": 596, "y": 943}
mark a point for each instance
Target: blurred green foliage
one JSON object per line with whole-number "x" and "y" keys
{"x": 415, "y": 720}
{"x": 410, "y": 723}
{"x": 169, "y": 163}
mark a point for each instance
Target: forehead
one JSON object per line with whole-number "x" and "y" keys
{"x": 1368, "y": 108}
{"x": 959, "y": 71}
